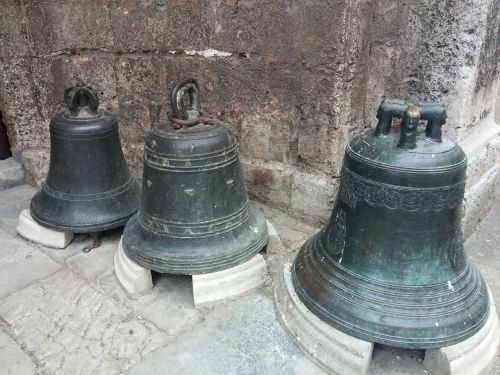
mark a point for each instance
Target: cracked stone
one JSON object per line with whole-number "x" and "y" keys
{"x": 21, "y": 263}
{"x": 14, "y": 361}
{"x": 71, "y": 321}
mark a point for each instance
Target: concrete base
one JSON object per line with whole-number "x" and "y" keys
{"x": 213, "y": 287}
{"x": 132, "y": 277}
{"x": 31, "y": 230}
{"x": 333, "y": 350}
{"x": 474, "y": 356}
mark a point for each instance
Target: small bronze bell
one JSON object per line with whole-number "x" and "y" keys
{"x": 89, "y": 187}
{"x": 195, "y": 216}
{"x": 390, "y": 267}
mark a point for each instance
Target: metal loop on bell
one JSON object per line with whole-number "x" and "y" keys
{"x": 89, "y": 187}
{"x": 82, "y": 102}
{"x": 195, "y": 215}
{"x": 182, "y": 117}
{"x": 434, "y": 113}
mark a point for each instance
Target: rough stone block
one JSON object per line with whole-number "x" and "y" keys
{"x": 132, "y": 277}
{"x": 478, "y": 200}
{"x": 312, "y": 196}
{"x": 11, "y": 173}
{"x": 36, "y": 161}
{"x": 14, "y": 40}
{"x": 474, "y": 356}
{"x": 77, "y": 329}
{"x": 269, "y": 134}
{"x": 213, "y": 287}
{"x": 268, "y": 182}
{"x": 482, "y": 148}
{"x": 21, "y": 264}
{"x": 31, "y": 230}
{"x": 61, "y": 26}
{"x": 13, "y": 359}
{"x": 333, "y": 350}
{"x": 152, "y": 25}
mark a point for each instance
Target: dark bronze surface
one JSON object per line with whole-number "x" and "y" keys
{"x": 89, "y": 187}
{"x": 195, "y": 216}
{"x": 389, "y": 267}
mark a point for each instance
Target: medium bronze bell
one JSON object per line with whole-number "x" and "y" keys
{"x": 389, "y": 267}
{"x": 89, "y": 187}
{"x": 195, "y": 216}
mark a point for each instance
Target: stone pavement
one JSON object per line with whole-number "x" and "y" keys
{"x": 63, "y": 312}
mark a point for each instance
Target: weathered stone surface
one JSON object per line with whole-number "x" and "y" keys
{"x": 11, "y": 173}
{"x": 313, "y": 196}
{"x": 14, "y": 360}
{"x": 268, "y": 182}
{"x": 296, "y": 79}
{"x": 257, "y": 345}
{"x": 57, "y": 26}
{"x": 13, "y": 201}
{"x": 75, "y": 329}
{"x": 21, "y": 263}
{"x": 477, "y": 200}
{"x": 36, "y": 161}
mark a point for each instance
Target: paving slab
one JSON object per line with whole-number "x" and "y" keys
{"x": 12, "y": 202}
{"x": 11, "y": 173}
{"x": 21, "y": 263}
{"x": 169, "y": 305}
{"x": 14, "y": 361}
{"x": 70, "y": 327}
{"x": 241, "y": 338}
{"x": 98, "y": 261}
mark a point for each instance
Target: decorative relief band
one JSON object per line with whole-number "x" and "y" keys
{"x": 355, "y": 189}
{"x": 88, "y": 197}
{"x": 196, "y": 229}
{"x": 201, "y": 162}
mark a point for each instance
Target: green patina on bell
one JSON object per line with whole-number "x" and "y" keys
{"x": 389, "y": 267}
{"x": 195, "y": 216}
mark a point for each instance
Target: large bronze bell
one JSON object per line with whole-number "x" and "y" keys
{"x": 195, "y": 216}
{"x": 89, "y": 187}
{"x": 389, "y": 267}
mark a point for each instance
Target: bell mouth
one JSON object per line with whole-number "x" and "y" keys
{"x": 172, "y": 254}
{"x": 403, "y": 316}
{"x": 89, "y": 213}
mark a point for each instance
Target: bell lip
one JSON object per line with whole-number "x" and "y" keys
{"x": 91, "y": 228}
{"x": 133, "y": 192}
{"x": 192, "y": 265}
{"x": 367, "y": 334}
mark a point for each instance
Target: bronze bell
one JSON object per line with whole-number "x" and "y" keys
{"x": 195, "y": 216}
{"x": 389, "y": 267}
{"x": 89, "y": 187}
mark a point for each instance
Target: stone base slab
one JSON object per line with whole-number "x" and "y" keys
{"x": 31, "y": 230}
{"x": 132, "y": 277}
{"x": 213, "y": 287}
{"x": 474, "y": 356}
{"x": 333, "y": 350}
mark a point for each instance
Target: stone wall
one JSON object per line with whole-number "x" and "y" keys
{"x": 296, "y": 78}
